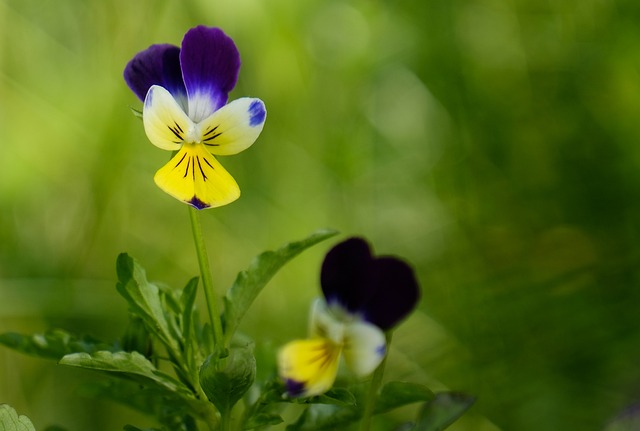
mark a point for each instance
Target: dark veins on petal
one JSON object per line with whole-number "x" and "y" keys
{"x": 383, "y": 289}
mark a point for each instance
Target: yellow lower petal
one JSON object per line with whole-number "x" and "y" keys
{"x": 309, "y": 367}
{"x": 195, "y": 177}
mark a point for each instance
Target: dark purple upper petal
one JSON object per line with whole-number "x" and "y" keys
{"x": 210, "y": 64}
{"x": 344, "y": 274}
{"x": 383, "y": 289}
{"x": 394, "y": 292}
{"x": 156, "y": 65}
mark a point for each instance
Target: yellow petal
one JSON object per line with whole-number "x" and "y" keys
{"x": 309, "y": 367}
{"x": 234, "y": 127}
{"x": 194, "y": 176}
{"x": 165, "y": 123}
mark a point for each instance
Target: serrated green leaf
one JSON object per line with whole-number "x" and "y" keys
{"x": 398, "y": 394}
{"x": 226, "y": 380}
{"x": 143, "y": 299}
{"x": 263, "y": 420}
{"x": 53, "y": 344}
{"x": 126, "y": 365}
{"x": 10, "y": 421}
{"x": 249, "y": 283}
{"x": 443, "y": 410}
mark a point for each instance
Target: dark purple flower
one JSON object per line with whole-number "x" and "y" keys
{"x": 364, "y": 296}
{"x": 382, "y": 290}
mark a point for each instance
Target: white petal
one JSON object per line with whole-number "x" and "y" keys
{"x": 234, "y": 127}
{"x": 364, "y": 347}
{"x": 165, "y": 123}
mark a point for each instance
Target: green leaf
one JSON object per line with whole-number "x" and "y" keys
{"x": 190, "y": 324}
{"x": 226, "y": 380}
{"x": 324, "y": 417}
{"x": 10, "y": 421}
{"x": 126, "y": 365}
{"x": 398, "y": 394}
{"x": 443, "y": 410}
{"x": 251, "y": 281}
{"x": 143, "y": 299}
{"x": 337, "y": 396}
{"x": 263, "y": 420}
{"x": 55, "y": 428}
{"x": 136, "y": 112}
{"x": 53, "y": 344}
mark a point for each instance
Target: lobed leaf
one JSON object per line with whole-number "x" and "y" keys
{"x": 144, "y": 299}
{"x": 250, "y": 282}
{"x": 131, "y": 365}
{"x": 10, "y": 421}
{"x": 53, "y": 344}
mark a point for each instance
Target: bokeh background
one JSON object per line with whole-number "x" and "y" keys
{"x": 495, "y": 144}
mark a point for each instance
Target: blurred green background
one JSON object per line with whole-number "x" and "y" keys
{"x": 495, "y": 144}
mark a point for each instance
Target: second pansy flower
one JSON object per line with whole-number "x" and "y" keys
{"x": 185, "y": 92}
{"x": 364, "y": 296}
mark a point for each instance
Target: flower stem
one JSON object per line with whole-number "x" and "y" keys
{"x": 205, "y": 273}
{"x": 374, "y": 387}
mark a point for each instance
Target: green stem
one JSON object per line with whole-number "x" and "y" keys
{"x": 374, "y": 387}
{"x": 226, "y": 421}
{"x": 205, "y": 272}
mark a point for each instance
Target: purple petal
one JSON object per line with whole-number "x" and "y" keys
{"x": 345, "y": 272}
{"x": 383, "y": 290}
{"x": 393, "y": 294}
{"x": 210, "y": 64}
{"x": 156, "y": 65}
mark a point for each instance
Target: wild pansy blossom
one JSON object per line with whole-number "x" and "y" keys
{"x": 185, "y": 91}
{"x": 364, "y": 296}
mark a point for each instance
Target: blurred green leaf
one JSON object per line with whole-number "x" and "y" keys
{"x": 337, "y": 396}
{"x": 324, "y": 417}
{"x": 169, "y": 408}
{"x": 263, "y": 420}
{"x": 143, "y": 299}
{"x": 443, "y": 410}
{"x": 187, "y": 301}
{"x": 127, "y": 365}
{"x": 10, "y": 421}
{"x": 251, "y": 281}
{"x": 53, "y": 344}
{"x": 55, "y": 428}
{"x": 226, "y": 380}
{"x": 398, "y": 394}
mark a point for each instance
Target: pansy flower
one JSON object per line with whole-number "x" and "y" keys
{"x": 185, "y": 92}
{"x": 364, "y": 296}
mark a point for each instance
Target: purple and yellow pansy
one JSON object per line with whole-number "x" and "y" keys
{"x": 185, "y": 92}
{"x": 364, "y": 296}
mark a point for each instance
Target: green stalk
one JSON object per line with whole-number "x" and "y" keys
{"x": 205, "y": 273}
{"x": 374, "y": 387}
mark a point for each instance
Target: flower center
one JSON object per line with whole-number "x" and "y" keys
{"x": 193, "y": 135}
